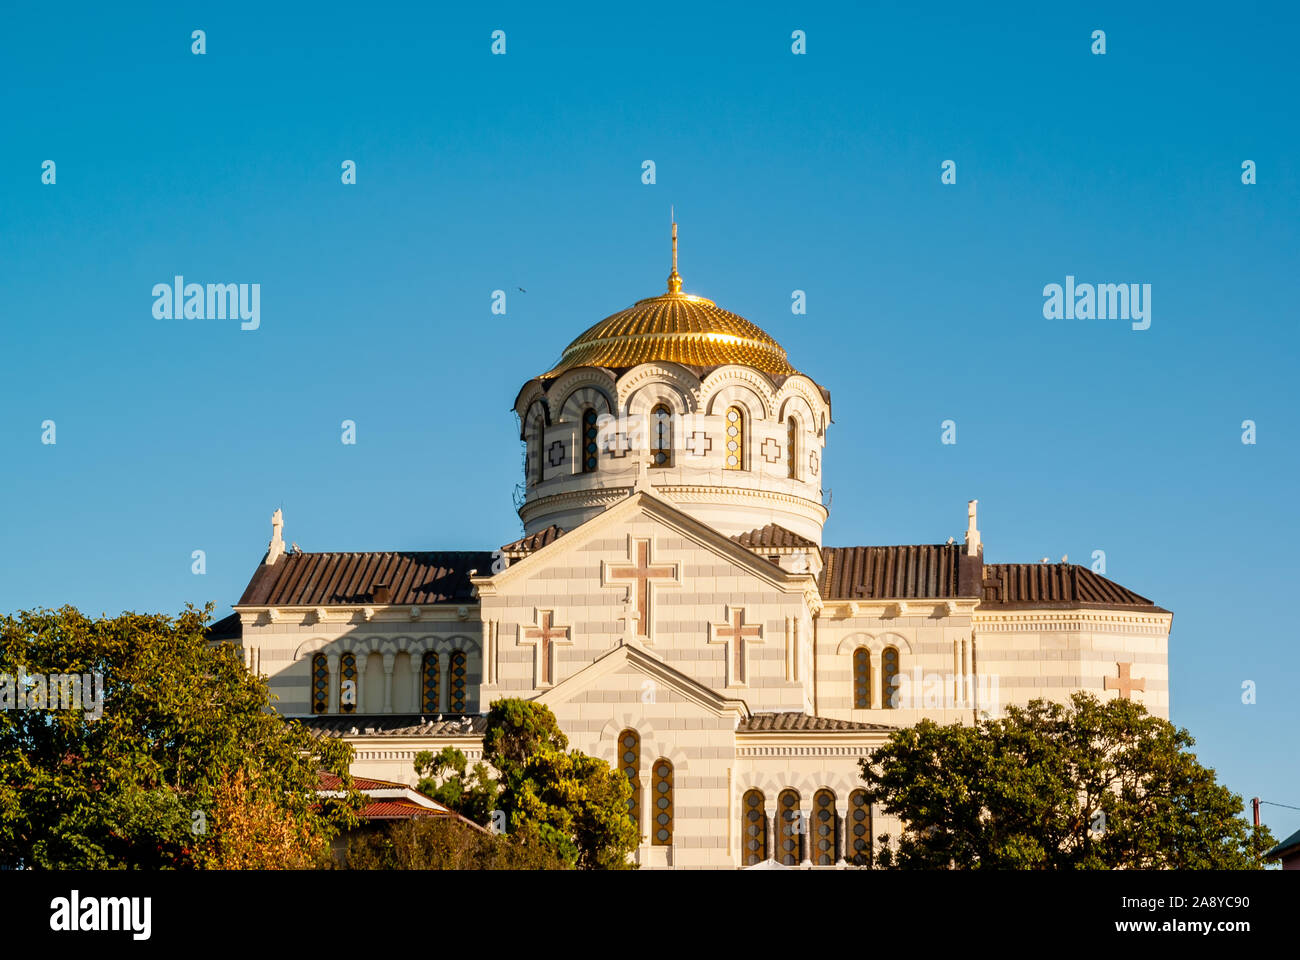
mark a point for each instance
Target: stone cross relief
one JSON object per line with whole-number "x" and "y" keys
{"x": 1124, "y": 683}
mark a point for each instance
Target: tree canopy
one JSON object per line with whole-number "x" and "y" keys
{"x": 1092, "y": 784}
{"x": 571, "y": 804}
{"x": 185, "y": 766}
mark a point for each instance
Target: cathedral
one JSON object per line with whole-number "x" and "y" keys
{"x": 672, "y": 602}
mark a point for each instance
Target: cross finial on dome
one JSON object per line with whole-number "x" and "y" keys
{"x": 674, "y": 278}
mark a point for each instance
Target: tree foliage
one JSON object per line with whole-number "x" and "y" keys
{"x": 186, "y": 767}
{"x": 444, "y": 844}
{"x": 1093, "y": 784}
{"x": 573, "y": 805}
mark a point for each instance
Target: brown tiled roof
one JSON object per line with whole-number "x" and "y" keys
{"x": 526, "y": 545}
{"x": 772, "y": 535}
{"x": 401, "y": 810}
{"x": 332, "y": 781}
{"x": 227, "y": 628}
{"x": 1059, "y": 585}
{"x": 317, "y": 579}
{"x": 910, "y": 571}
{"x": 394, "y": 725}
{"x": 802, "y": 723}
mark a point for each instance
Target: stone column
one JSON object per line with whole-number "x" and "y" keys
{"x": 805, "y": 836}
{"x": 877, "y": 680}
{"x": 417, "y": 681}
{"x": 332, "y": 694}
{"x": 389, "y": 660}
{"x": 361, "y": 657}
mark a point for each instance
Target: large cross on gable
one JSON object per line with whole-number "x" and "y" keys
{"x": 736, "y": 636}
{"x": 642, "y": 577}
{"x": 543, "y": 636}
{"x": 1124, "y": 683}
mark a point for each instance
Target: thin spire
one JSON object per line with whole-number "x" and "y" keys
{"x": 674, "y": 278}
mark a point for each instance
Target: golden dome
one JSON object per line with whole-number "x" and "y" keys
{"x": 679, "y": 328}
{"x": 676, "y": 327}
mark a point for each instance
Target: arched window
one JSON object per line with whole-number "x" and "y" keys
{"x": 858, "y": 846}
{"x": 456, "y": 682}
{"x": 661, "y": 436}
{"x": 787, "y": 805}
{"x": 348, "y": 683}
{"x": 629, "y": 764}
{"x": 792, "y": 446}
{"x": 662, "y": 793}
{"x": 861, "y": 679}
{"x": 823, "y": 828}
{"x": 539, "y": 451}
{"x": 735, "y": 452}
{"x": 430, "y": 682}
{"x": 753, "y": 829}
{"x": 320, "y": 683}
{"x": 590, "y": 454}
{"x": 889, "y": 677}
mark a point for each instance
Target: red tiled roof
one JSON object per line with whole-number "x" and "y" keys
{"x": 331, "y": 781}
{"x": 401, "y": 810}
{"x": 772, "y": 535}
{"x": 526, "y": 545}
{"x": 312, "y": 579}
{"x": 909, "y": 571}
{"x": 1059, "y": 585}
{"x": 802, "y": 722}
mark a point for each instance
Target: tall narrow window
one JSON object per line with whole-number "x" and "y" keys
{"x": 661, "y": 436}
{"x": 823, "y": 828}
{"x": 787, "y": 805}
{"x": 590, "y": 454}
{"x": 792, "y": 446}
{"x": 858, "y": 844}
{"x": 861, "y": 679}
{"x": 629, "y": 764}
{"x": 539, "y": 451}
{"x": 456, "y": 682}
{"x": 735, "y": 439}
{"x": 889, "y": 677}
{"x": 662, "y": 793}
{"x": 320, "y": 683}
{"x": 753, "y": 829}
{"x": 348, "y": 683}
{"x": 429, "y": 685}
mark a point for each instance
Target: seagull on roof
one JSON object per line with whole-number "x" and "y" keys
{"x": 950, "y": 540}
{"x": 294, "y": 548}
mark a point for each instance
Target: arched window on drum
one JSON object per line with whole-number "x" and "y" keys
{"x": 590, "y": 453}
{"x": 734, "y": 449}
{"x": 661, "y": 436}
{"x": 792, "y": 447}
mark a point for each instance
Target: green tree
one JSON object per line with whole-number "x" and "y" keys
{"x": 1090, "y": 784}
{"x": 186, "y": 767}
{"x": 571, "y": 804}
{"x": 429, "y": 843}
{"x": 444, "y": 777}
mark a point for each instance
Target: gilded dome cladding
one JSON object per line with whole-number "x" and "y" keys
{"x": 678, "y": 328}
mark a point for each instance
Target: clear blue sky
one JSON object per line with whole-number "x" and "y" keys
{"x": 818, "y": 172}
